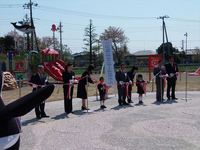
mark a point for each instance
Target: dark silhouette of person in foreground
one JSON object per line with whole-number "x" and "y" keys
{"x": 10, "y": 126}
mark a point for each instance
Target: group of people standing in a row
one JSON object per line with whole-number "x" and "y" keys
{"x": 125, "y": 81}
{"x": 169, "y": 72}
{"x": 82, "y": 89}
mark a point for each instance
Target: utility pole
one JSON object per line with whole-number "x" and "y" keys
{"x": 60, "y": 31}
{"x": 90, "y": 33}
{"x": 164, "y": 30}
{"x": 182, "y": 44}
{"x": 30, "y": 6}
{"x": 26, "y": 21}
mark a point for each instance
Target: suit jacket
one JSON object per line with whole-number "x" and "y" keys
{"x": 67, "y": 76}
{"x": 131, "y": 75}
{"x": 121, "y": 76}
{"x": 171, "y": 69}
{"x": 38, "y": 79}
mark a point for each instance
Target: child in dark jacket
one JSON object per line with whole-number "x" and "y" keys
{"x": 102, "y": 92}
{"x": 141, "y": 87}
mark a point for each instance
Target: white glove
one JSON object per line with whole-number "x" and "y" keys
{"x": 75, "y": 81}
{"x": 121, "y": 82}
{"x": 71, "y": 81}
{"x": 171, "y": 74}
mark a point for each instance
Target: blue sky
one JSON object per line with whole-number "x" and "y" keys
{"x": 136, "y": 17}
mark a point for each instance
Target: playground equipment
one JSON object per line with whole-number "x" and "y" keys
{"x": 52, "y": 64}
{"x": 196, "y": 73}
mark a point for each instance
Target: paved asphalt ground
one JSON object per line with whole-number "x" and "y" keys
{"x": 173, "y": 125}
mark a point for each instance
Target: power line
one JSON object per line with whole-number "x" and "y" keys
{"x": 88, "y": 14}
{"x": 10, "y": 5}
{"x": 185, "y": 20}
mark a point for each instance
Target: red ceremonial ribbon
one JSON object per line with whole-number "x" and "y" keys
{"x": 127, "y": 84}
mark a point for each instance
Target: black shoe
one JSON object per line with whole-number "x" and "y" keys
{"x": 101, "y": 107}
{"x": 140, "y": 102}
{"x": 120, "y": 104}
{"x": 44, "y": 116}
{"x": 68, "y": 112}
{"x": 84, "y": 108}
{"x": 174, "y": 98}
{"x": 163, "y": 100}
{"x": 38, "y": 117}
{"x": 130, "y": 101}
{"x": 104, "y": 106}
{"x": 125, "y": 103}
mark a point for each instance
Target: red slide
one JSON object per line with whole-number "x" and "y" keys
{"x": 55, "y": 69}
{"x": 196, "y": 73}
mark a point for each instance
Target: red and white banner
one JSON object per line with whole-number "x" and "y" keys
{"x": 153, "y": 61}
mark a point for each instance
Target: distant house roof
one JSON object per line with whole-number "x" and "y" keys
{"x": 144, "y": 52}
{"x": 79, "y": 54}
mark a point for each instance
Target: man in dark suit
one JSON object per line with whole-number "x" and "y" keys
{"x": 160, "y": 74}
{"x": 122, "y": 78}
{"x": 68, "y": 79}
{"x": 38, "y": 80}
{"x": 172, "y": 72}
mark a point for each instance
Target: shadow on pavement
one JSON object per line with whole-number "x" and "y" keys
{"x": 165, "y": 102}
{"x": 61, "y": 116}
{"x": 140, "y": 104}
{"x": 100, "y": 109}
{"x": 80, "y": 112}
{"x": 121, "y": 107}
{"x": 32, "y": 121}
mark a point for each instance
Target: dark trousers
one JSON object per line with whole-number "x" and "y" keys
{"x": 102, "y": 98}
{"x": 159, "y": 89}
{"x": 121, "y": 94}
{"x": 171, "y": 85}
{"x": 68, "y": 99}
{"x": 129, "y": 92}
{"x": 39, "y": 109}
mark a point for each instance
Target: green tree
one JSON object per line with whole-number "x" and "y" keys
{"x": 196, "y": 53}
{"x": 47, "y": 42}
{"x": 89, "y": 40}
{"x": 67, "y": 54}
{"x": 7, "y": 43}
{"x": 20, "y": 41}
{"x": 169, "y": 50}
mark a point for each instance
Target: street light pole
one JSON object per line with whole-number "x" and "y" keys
{"x": 186, "y": 63}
